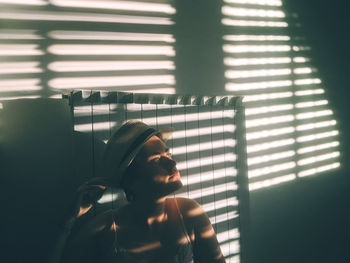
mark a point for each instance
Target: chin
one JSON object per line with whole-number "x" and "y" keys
{"x": 169, "y": 188}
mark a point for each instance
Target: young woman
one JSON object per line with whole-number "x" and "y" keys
{"x": 152, "y": 227}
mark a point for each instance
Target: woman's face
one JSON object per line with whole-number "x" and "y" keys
{"x": 157, "y": 172}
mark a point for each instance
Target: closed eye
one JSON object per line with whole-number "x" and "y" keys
{"x": 157, "y": 155}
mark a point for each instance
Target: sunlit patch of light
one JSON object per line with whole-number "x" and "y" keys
{"x": 299, "y": 82}
{"x": 188, "y": 117}
{"x": 318, "y": 147}
{"x": 302, "y": 70}
{"x": 97, "y": 35}
{"x": 300, "y": 60}
{"x": 19, "y": 85}
{"x": 232, "y": 258}
{"x": 269, "y": 133}
{"x": 166, "y": 90}
{"x": 270, "y": 157}
{"x": 269, "y": 145}
{"x": 256, "y": 2}
{"x": 203, "y": 146}
{"x": 56, "y": 96}
{"x": 232, "y": 201}
{"x": 267, "y": 96}
{"x": 317, "y": 136}
{"x": 25, "y": 2}
{"x": 117, "y": 5}
{"x": 19, "y": 34}
{"x": 79, "y": 66}
{"x": 255, "y": 48}
{"x": 255, "y": 61}
{"x": 19, "y": 88}
{"x": 20, "y": 67}
{"x": 223, "y": 218}
{"x": 267, "y": 109}
{"x": 86, "y": 109}
{"x": 178, "y": 134}
{"x": 307, "y": 104}
{"x": 270, "y": 182}
{"x": 208, "y": 191}
{"x": 309, "y": 92}
{"x": 256, "y": 38}
{"x": 20, "y": 50}
{"x": 227, "y": 235}
{"x": 316, "y": 125}
{"x": 319, "y": 169}
{"x": 318, "y": 158}
{"x": 234, "y": 74}
{"x": 85, "y": 17}
{"x": 62, "y": 49}
{"x": 268, "y": 121}
{"x": 270, "y": 169}
{"x": 92, "y": 82}
{"x": 98, "y": 126}
{"x": 314, "y": 114}
{"x": 206, "y": 161}
{"x": 108, "y": 198}
{"x": 19, "y": 97}
{"x": 258, "y": 85}
{"x": 233, "y": 22}
{"x": 249, "y": 12}
{"x": 208, "y": 176}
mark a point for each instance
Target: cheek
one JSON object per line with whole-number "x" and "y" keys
{"x": 153, "y": 170}
{"x": 159, "y": 178}
{"x": 149, "y": 174}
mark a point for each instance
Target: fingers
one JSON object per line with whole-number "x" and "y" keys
{"x": 91, "y": 187}
{"x": 88, "y": 194}
{"x": 83, "y": 210}
{"x": 96, "y": 181}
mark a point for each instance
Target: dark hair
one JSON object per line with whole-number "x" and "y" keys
{"x": 129, "y": 176}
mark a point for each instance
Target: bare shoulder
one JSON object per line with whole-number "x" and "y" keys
{"x": 189, "y": 208}
{"x": 186, "y": 203}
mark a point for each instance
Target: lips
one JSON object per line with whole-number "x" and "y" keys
{"x": 174, "y": 176}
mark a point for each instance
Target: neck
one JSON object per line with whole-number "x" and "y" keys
{"x": 150, "y": 212}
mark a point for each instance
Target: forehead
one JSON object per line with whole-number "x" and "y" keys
{"x": 153, "y": 145}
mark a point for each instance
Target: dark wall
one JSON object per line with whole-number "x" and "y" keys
{"x": 308, "y": 220}
{"x": 303, "y": 221}
{"x": 42, "y": 162}
{"x": 199, "y": 56}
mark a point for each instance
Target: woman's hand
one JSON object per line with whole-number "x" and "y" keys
{"x": 87, "y": 195}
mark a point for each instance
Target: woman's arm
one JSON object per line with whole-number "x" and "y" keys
{"x": 86, "y": 197}
{"x": 205, "y": 244}
{"x": 82, "y": 246}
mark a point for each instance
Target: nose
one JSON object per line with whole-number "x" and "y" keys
{"x": 167, "y": 163}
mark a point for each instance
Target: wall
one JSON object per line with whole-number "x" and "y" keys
{"x": 307, "y": 220}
